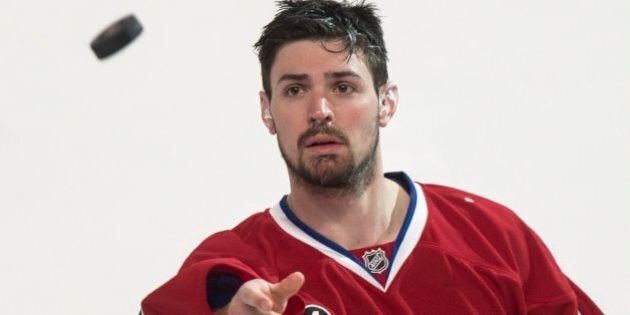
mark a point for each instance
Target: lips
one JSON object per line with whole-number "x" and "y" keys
{"x": 322, "y": 140}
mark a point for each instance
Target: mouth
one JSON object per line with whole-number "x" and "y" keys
{"x": 322, "y": 141}
{"x": 323, "y": 144}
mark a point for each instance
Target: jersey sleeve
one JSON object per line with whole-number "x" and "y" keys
{"x": 186, "y": 292}
{"x": 547, "y": 289}
{"x": 223, "y": 253}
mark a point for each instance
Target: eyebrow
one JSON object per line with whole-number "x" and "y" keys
{"x": 292, "y": 77}
{"x": 341, "y": 74}
{"x": 303, "y": 76}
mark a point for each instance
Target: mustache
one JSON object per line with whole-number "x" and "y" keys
{"x": 325, "y": 130}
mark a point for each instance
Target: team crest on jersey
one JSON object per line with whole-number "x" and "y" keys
{"x": 375, "y": 260}
{"x": 315, "y": 310}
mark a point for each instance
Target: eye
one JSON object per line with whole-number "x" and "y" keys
{"x": 293, "y": 90}
{"x": 344, "y": 88}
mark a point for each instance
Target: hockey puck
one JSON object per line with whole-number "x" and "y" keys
{"x": 116, "y": 36}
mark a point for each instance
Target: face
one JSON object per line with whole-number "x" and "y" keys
{"x": 326, "y": 113}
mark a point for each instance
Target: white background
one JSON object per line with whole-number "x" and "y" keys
{"x": 112, "y": 172}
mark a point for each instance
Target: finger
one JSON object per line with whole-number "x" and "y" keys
{"x": 256, "y": 295}
{"x": 288, "y": 287}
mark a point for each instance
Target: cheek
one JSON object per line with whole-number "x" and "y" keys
{"x": 363, "y": 120}
{"x": 287, "y": 133}
{"x": 291, "y": 120}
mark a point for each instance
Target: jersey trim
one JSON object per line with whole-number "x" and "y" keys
{"x": 406, "y": 241}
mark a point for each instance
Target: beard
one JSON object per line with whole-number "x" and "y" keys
{"x": 333, "y": 172}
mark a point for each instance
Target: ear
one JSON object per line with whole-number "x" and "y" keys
{"x": 265, "y": 112}
{"x": 388, "y": 103}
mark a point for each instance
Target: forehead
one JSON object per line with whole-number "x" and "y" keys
{"x": 317, "y": 57}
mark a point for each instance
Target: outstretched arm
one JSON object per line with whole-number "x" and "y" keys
{"x": 258, "y": 296}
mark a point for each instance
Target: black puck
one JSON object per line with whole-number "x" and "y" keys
{"x": 116, "y": 36}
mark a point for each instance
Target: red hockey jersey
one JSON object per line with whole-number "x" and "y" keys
{"x": 456, "y": 253}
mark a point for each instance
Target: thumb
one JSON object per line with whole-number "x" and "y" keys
{"x": 287, "y": 288}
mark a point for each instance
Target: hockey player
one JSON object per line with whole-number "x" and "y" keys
{"x": 349, "y": 238}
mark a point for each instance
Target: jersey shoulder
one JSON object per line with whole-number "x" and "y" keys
{"x": 469, "y": 205}
{"x": 241, "y": 242}
{"x": 488, "y": 235}
{"x": 476, "y": 229}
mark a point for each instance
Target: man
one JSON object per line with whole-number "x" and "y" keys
{"x": 349, "y": 239}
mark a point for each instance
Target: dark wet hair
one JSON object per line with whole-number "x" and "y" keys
{"x": 355, "y": 24}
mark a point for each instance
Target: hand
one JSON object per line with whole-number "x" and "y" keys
{"x": 261, "y": 297}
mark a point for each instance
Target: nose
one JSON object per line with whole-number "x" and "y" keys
{"x": 320, "y": 111}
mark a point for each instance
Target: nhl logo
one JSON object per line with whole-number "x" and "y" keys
{"x": 375, "y": 260}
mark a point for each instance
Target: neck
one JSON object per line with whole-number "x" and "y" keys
{"x": 352, "y": 219}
